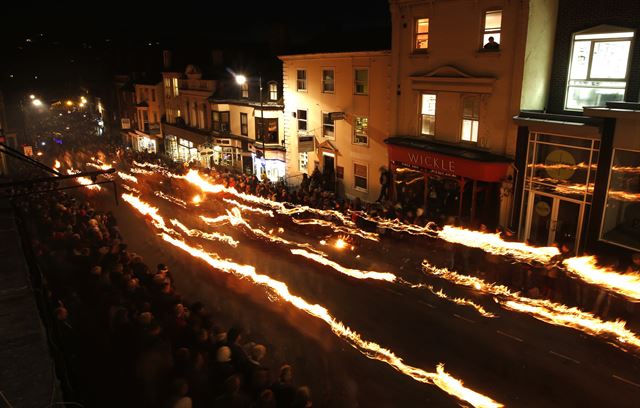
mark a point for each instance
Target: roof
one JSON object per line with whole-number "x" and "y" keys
{"x": 327, "y": 55}
{"x": 449, "y": 150}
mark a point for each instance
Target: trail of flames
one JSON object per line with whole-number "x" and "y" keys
{"x": 547, "y": 311}
{"x": 354, "y": 273}
{"x": 235, "y": 218}
{"x": 248, "y": 208}
{"x": 84, "y": 181}
{"x": 150, "y": 165}
{"x": 175, "y": 200}
{"x": 130, "y": 189}
{"x": 56, "y": 164}
{"x": 337, "y": 228}
{"x": 494, "y": 244}
{"x": 457, "y": 300}
{"x": 624, "y": 196}
{"x": 585, "y": 268}
{"x": 349, "y": 226}
{"x": 372, "y": 350}
{"x": 140, "y": 171}
{"x": 211, "y": 236}
{"x": 127, "y": 177}
{"x": 99, "y": 166}
{"x": 440, "y": 378}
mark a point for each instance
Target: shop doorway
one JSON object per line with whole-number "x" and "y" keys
{"x": 552, "y": 219}
{"x": 329, "y": 171}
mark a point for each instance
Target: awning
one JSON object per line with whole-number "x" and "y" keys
{"x": 447, "y": 160}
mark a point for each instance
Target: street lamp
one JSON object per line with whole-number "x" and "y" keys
{"x": 36, "y": 102}
{"x": 241, "y": 80}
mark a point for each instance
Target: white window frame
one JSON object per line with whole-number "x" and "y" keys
{"x": 301, "y": 81}
{"x": 333, "y": 125}
{"x": 473, "y": 120}
{"x": 365, "y": 85}
{"x": 491, "y": 32}
{"x": 273, "y": 91}
{"x": 333, "y": 80}
{"x": 305, "y": 120}
{"x": 429, "y": 115}
{"x": 244, "y": 88}
{"x": 595, "y": 35}
{"x": 364, "y": 134}
{"x": 366, "y": 179}
{"x": 303, "y": 157}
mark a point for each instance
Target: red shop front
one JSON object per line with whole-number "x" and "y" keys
{"x": 446, "y": 180}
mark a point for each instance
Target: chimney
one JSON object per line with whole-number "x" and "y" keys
{"x": 166, "y": 59}
{"x": 217, "y": 58}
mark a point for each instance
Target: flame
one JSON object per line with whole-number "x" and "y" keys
{"x": 206, "y": 235}
{"x": 235, "y": 218}
{"x": 494, "y": 244}
{"x": 171, "y": 199}
{"x": 196, "y": 199}
{"x": 147, "y": 210}
{"x": 624, "y": 196}
{"x": 340, "y": 243}
{"x": 585, "y": 268}
{"x": 372, "y": 350}
{"x": 348, "y": 227}
{"x": 458, "y": 300}
{"x": 338, "y": 228}
{"x": 99, "y": 166}
{"x": 150, "y": 165}
{"x": 547, "y": 311}
{"x": 84, "y": 181}
{"x": 140, "y": 171}
{"x": 130, "y": 189}
{"x": 249, "y": 208}
{"x": 354, "y": 273}
{"x": 56, "y": 164}
{"x": 127, "y": 177}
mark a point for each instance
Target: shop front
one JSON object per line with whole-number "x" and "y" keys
{"x": 142, "y": 142}
{"x": 273, "y": 164}
{"x": 446, "y": 180}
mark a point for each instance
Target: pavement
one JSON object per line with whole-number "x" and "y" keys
{"x": 514, "y": 359}
{"x": 27, "y": 373}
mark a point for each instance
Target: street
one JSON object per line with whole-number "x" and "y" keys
{"x": 513, "y": 359}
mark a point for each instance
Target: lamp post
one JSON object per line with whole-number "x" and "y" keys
{"x": 241, "y": 80}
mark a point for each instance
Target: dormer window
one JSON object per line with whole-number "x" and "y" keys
{"x": 599, "y": 67}
{"x": 273, "y": 91}
{"x": 245, "y": 90}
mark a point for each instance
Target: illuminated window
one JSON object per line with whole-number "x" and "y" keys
{"x": 302, "y": 121}
{"x": 245, "y": 90}
{"x": 244, "y": 124}
{"x": 621, "y": 224}
{"x": 361, "y": 76}
{"x": 176, "y": 92}
{"x": 428, "y": 115}
{"x": 421, "y": 41}
{"x": 328, "y": 126}
{"x": 267, "y": 132}
{"x": 303, "y": 160}
{"x": 360, "y": 172}
{"x": 361, "y": 130}
{"x": 167, "y": 87}
{"x": 470, "y": 118}
{"x": 492, "y": 27}
{"x": 301, "y": 82}
{"x": 599, "y": 68}
{"x": 273, "y": 91}
{"x": 328, "y": 80}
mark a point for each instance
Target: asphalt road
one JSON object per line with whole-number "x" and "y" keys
{"x": 514, "y": 358}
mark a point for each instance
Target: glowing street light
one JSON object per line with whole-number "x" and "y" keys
{"x": 241, "y": 79}
{"x": 36, "y": 102}
{"x": 32, "y": 96}
{"x": 69, "y": 103}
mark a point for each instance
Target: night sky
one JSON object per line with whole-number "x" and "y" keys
{"x": 54, "y": 50}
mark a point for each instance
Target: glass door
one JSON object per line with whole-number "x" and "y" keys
{"x": 553, "y": 220}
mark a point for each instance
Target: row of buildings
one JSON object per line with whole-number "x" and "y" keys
{"x": 516, "y": 113}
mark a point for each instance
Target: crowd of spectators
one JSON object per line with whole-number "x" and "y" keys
{"x": 128, "y": 336}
